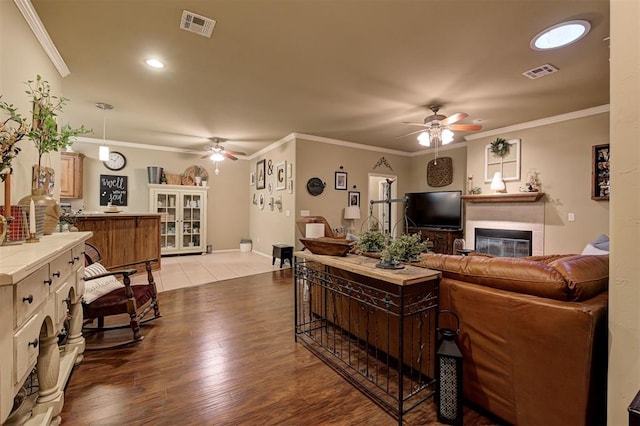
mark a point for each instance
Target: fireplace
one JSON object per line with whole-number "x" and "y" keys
{"x": 503, "y": 242}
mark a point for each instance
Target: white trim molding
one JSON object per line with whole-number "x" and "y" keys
{"x": 36, "y": 25}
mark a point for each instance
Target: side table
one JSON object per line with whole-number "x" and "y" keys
{"x": 283, "y": 252}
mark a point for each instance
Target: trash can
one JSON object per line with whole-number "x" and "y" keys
{"x": 245, "y": 245}
{"x": 154, "y": 174}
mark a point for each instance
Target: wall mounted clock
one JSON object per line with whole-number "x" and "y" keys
{"x": 315, "y": 186}
{"x": 116, "y": 161}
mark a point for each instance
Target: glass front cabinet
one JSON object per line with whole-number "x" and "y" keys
{"x": 183, "y": 217}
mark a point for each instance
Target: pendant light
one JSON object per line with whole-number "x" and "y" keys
{"x": 103, "y": 152}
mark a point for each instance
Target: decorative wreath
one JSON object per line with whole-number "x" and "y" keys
{"x": 500, "y": 147}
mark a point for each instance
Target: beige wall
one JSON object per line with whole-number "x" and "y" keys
{"x": 322, "y": 160}
{"x": 226, "y": 224}
{"x": 21, "y": 59}
{"x": 272, "y": 226}
{"x": 561, "y": 153}
{"x": 624, "y": 282}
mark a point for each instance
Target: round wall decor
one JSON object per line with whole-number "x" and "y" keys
{"x": 315, "y": 186}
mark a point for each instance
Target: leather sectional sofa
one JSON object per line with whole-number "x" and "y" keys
{"x": 533, "y": 334}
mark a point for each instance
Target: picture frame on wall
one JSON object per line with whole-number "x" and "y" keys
{"x": 509, "y": 165}
{"x": 252, "y": 178}
{"x": 281, "y": 176}
{"x": 354, "y": 198}
{"x": 261, "y": 179}
{"x": 600, "y": 172}
{"x": 341, "y": 180}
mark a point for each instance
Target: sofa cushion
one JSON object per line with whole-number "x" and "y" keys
{"x": 512, "y": 274}
{"x": 586, "y": 276}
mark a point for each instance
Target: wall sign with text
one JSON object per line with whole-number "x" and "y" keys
{"x": 113, "y": 189}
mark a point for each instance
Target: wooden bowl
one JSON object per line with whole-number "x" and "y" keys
{"x": 327, "y": 246}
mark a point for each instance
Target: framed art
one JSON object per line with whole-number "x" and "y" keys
{"x": 509, "y": 165}
{"x": 261, "y": 181}
{"x": 252, "y": 178}
{"x": 281, "y": 176}
{"x": 290, "y": 186}
{"x": 354, "y": 198}
{"x": 289, "y": 170}
{"x": 600, "y": 172}
{"x": 341, "y": 180}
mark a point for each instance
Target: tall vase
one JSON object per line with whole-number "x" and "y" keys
{"x": 47, "y": 211}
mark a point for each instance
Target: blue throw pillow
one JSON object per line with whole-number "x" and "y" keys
{"x": 602, "y": 242}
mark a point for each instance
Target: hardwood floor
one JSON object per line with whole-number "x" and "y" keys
{"x": 223, "y": 354}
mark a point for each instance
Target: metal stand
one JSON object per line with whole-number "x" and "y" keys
{"x": 379, "y": 336}
{"x": 388, "y": 201}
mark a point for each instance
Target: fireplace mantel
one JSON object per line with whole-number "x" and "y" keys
{"x": 520, "y": 197}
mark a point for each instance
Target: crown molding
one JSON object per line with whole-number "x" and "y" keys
{"x": 542, "y": 122}
{"x": 33, "y": 20}
{"x": 349, "y": 144}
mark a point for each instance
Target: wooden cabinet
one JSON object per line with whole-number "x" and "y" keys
{"x": 183, "y": 212}
{"x": 71, "y": 174}
{"x": 40, "y": 287}
{"x": 124, "y": 238}
{"x": 442, "y": 238}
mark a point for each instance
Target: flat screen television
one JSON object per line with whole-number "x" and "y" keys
{"x": 442, "y": 209}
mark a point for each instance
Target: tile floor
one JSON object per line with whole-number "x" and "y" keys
{"x": 192, "y": 270}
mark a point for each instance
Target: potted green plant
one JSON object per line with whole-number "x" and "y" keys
{"x": 404, "y": 248}
{"x": 47, "y": 136}
{"x": 45, "y": 132}
{"x": 371, "y": 241}
{"x": 12, "y": 129}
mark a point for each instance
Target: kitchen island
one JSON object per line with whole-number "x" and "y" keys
{"x": 124, "y": 238}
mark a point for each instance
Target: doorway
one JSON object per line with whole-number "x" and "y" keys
{"x": 383, "y": 204}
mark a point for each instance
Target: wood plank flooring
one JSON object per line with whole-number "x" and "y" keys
{"x": 223, "y": 354}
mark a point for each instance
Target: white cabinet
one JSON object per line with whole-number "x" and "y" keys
{"x": 183, "y": 217}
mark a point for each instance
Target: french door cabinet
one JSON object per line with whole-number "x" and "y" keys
{"x": 183, "y": 217}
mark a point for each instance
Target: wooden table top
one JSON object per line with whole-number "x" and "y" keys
{"x": 366, "y": 266}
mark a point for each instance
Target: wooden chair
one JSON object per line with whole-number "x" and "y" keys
{"x": 108, "y": 296}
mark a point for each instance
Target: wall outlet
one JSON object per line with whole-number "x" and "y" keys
{"x": 571, "y": 217}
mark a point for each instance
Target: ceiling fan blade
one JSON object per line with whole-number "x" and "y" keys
{"x": 465, "y": 127}
{"x": 229, "y": 156}
{"x": 414, "y": 124}
{"x": 411, "y": 133}
{"x": 453, "y": 118}
{"x": 206, "y": 155}
{"x": 235, "y": 152}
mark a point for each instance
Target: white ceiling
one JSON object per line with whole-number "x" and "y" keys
{"x": 351, "y": 70}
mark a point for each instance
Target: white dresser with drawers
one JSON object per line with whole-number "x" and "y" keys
{"x": 41, "y": 285}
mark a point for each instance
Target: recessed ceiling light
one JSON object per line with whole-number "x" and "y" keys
{"x": 560, "y": 35}
{"x": 154, "y": 63}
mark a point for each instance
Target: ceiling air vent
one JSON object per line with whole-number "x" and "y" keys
{"x": 540, "y": 71}
{"x": 197, "y": 24}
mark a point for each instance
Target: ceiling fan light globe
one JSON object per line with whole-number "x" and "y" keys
{"x": 423, "y": 139}
{"x": 216, "y": 156}
{"x": 447, "y": 136}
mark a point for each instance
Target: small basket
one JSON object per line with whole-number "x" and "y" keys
{"x": 327, "y": 246}
{"x": 173, "y": 179}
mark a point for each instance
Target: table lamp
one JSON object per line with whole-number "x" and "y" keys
{"x": 351, "y": 213}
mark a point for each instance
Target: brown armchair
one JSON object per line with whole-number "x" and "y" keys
{"x": 106, "y": 295}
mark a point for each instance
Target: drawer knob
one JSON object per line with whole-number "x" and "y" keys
{"x": 56, "y": 274}
{"x": 48, "y": 282}
{"x": 33, "y": 343}
{"x": 28, "y": 299}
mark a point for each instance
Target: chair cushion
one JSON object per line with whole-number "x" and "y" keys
{"x": 98, "y": 287}
{"x": 115, "y": 302}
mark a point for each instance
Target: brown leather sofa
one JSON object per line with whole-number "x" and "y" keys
{"x": 533, "y": 333}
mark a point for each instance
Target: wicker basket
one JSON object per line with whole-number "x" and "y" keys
{"x": 173, "y": 179}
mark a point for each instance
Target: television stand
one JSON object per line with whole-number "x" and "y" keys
{"x": 442, "y": 238}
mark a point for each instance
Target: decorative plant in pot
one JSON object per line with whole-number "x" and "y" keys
{"x": 404, "y": 248}
{"x": 371, "y": 241}
{"x": 47, "y": 136}
{"x": 12, "y": 129}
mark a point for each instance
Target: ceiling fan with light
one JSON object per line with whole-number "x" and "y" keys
{"x": 437, "y": 129}
{"x": 218, "y": 153}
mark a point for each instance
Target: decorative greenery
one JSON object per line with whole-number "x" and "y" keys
{"x": 500, "y": 147}
{"x": 404, "y": 248}
{"x": 371, "y": 241}
{"x": 45, "y": 132}
{"x": 11, "y": 131}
